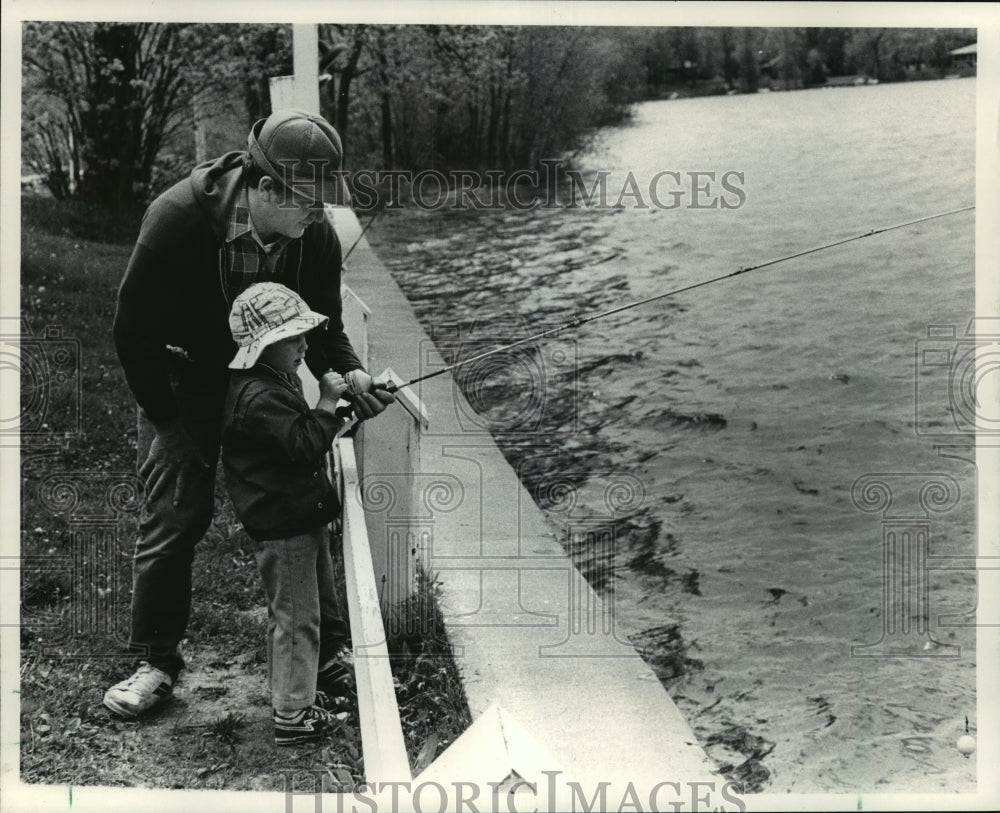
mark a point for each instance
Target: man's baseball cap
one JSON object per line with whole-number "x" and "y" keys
{"x": 266, "y": 313}
{"x": 303, "y": 153}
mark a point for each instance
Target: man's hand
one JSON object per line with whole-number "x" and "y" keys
{"x": 369, "y": 395}
{"x": 173, "y": 455}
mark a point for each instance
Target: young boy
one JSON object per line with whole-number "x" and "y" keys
{"x": 273, "y": 453}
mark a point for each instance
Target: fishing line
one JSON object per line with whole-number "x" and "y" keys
{"x": 391, "y": 386}
{"x": 583, "y": 320}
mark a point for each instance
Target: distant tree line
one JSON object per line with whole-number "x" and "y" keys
{"x": 745, "y": 59}
{"x": 114, "y": 111}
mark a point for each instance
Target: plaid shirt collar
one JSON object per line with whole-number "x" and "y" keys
{"x": 245, "y": 260}
{"x": 240, "y": 225}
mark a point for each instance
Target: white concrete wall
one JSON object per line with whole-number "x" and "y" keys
{"x": 532, "y": 639}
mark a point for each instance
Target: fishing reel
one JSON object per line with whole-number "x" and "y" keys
{"x": 359, "y": 383}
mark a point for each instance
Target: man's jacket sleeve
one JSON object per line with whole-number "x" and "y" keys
{"x": 140, "y": 333}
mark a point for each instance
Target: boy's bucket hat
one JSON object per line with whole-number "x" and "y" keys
{"x": 303, "y": 153}
{"x": 266, "y": 313}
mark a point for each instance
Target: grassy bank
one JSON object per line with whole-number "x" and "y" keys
{"x": 78, "y": 522}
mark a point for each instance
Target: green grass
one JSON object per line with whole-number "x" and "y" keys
{"x": 77, "y": 219}
{"x": 83, "y": 437}
{"x": 226, "y": 728}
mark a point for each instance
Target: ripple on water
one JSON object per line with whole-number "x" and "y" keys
{"x": 732, "y": 405}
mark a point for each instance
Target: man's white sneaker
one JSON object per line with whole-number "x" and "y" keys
{"x": 148, "y": 687}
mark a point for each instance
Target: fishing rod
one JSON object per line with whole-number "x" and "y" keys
{"x": 367, "y": 226}
{"x": 583, "y": 320}
{"x": 576, "y": 322}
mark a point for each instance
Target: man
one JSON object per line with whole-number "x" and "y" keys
{"x": 246, "y": 217}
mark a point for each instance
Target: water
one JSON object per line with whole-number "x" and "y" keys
{"x": 739, "y": 415}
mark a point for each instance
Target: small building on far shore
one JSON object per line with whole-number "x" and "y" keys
{"x": 966, "y": 55}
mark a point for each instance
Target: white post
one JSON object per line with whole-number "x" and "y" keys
{"x": 306, "y": 61}
{"x": 355, "y": 316}
{"x": 282, "y": 92}
{"x": 302, "y": 89}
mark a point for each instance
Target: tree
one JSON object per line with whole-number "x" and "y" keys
{"x": 749, "y": 61}
{"x": 101, "y": 99}
{"x": 244, "y": 57}
{"x": 727, "y": 53}
{"x": 385, "y": 100}
{"x": 342, "y": 48}
{"x": 830, "y": 44}
{"x": 866, "y": 49}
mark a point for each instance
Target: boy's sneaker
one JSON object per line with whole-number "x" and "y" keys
{"x": 336, "y": 676}
{"x": 337, "y": 704}
{"x": 302, "y": 726}
{"x": 148, "y": 687}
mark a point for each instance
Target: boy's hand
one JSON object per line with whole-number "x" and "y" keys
{"x": 332, "y": 385}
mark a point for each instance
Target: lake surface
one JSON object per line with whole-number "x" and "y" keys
{"x": 739, "y": 415}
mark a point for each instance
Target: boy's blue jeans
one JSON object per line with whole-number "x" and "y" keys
{"x": 164, "y": 550}
{"x": 297, "y": 573}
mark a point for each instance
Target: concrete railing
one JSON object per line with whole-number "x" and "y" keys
{"x": 380, "y": 550}
{"x": 381, "y": 730}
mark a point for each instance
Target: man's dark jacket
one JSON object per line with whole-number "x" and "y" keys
{"x": 173, "y": 293}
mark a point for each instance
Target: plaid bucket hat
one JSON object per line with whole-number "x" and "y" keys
{"x": 266, "y": 313}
